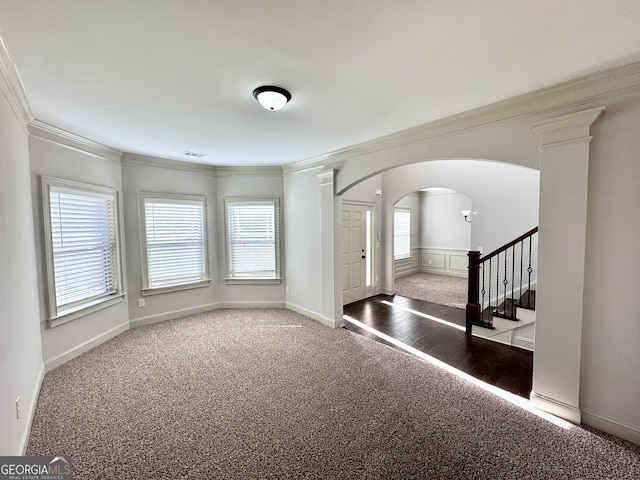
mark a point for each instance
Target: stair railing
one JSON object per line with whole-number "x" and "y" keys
{"x": 492, "y": 282}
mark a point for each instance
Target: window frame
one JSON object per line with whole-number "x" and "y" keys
{"x": 60, "y": 315}
{"x": 229, "y": 277}
{"x": 406, "y": 211}
{"x": 147, "y": 289}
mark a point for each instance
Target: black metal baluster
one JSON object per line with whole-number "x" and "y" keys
{"x": 489, "y": 320}
{"x": 505, "y": 282}
{"x": 521, "y": 253}
{"x": 482, "y": 292}
{"x": 513, "y": 273}
{"x": 529, "y": 270}
{"x": 497, "y": 283}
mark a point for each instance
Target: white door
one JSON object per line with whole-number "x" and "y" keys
{"x": 356, "y": 252}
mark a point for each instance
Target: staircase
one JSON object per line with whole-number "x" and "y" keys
{"x": 518, "y": 332}
{"x": 501, "y": 295}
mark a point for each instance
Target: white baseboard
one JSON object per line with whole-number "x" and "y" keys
{"x": 31, "y": 411}
{"x": 523, "y": 343}
{"x": 315, "y": 316}
{"x": 304, "y": 311}
{"x": 404, "y": 273}
{"x": 78, "y": 350}
{"x": 439, "y": 271}
{"x": 555, "y": 407}
{"x": 251, "y": 305}
{"x": 161, "y": 317}
{"x": 626, "y": 432}
{"x": 184, "y": 312}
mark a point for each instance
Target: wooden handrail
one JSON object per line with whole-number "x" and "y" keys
{"x": 508, "y": 245}
{"x": 475, "y": 305}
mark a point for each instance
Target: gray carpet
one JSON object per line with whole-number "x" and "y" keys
{"x": 256, "y": 394}
{"x": 440, "y": 289}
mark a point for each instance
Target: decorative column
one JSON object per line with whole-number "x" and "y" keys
{"x": 329, "y": 250}
{"x": 564, "y": 175}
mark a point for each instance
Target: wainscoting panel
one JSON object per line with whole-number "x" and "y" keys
{"x": 459, "y": 262}
{"x": 445, "y": 261}
{"x": 433, "y": 260}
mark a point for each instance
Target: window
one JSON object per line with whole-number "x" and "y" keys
{"x": 82, "y": 248}
{"x": 401, "y": 233}
{"x": 174, "y": 240}
{"x": 252, "y": 240}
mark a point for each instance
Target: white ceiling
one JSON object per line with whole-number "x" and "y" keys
{"x": 158, "y": 77}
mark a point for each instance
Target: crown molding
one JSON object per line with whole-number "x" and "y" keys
{"x": 580, "y": 92}
{"x": 146, "y": 161}
{"x": 254, "y": 171}
{"x": 12, "y": 88}
{"x": 46, "y": 131}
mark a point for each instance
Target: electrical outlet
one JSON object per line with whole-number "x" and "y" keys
{"x": 18, "y": 408}
{"x": 140, "y": 302}
{"x": 287, "y": 290}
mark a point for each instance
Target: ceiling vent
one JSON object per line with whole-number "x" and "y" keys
{"x": 194, "y": 154}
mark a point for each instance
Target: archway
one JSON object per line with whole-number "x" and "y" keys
{"x": 562, "y": 158}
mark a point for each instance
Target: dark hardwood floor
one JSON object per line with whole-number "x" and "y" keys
{"x": 508, "y": 368}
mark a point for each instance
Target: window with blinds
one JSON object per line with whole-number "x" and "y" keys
{"x": 174, "y": 234}
{"x": 82, "y": 248}
{"x": 252, "y": 239}
{"x": 401, "y": 233}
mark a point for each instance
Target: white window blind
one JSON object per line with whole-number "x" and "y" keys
{"x": 81, "y": 245}
{"x": 252, "y": 239}
{"x": 401, "y": 233}
{"x": 175, "y": 240}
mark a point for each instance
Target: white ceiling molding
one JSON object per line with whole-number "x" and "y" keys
{"x": 145, "y": 161}
{"x": 575, "y": 93}
{"x": 255, "y": 171}
{"x": 54, "y": 134}
{"x": 12, "y": 87}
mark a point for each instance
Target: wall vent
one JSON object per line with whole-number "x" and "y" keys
{"x": 194, "y": 154}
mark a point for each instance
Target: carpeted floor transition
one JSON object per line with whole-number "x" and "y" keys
{"x": 441, "y": 289}
{"x": 254, "y": 394}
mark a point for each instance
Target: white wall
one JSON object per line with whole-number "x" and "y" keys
{"x": 442, "y": 225}
{"x": 57, "y": 160}
{"x": 609, "y": 383}
{"x": 145, "y": 175}
{"x": 21, "y": 366}
{"x": 302, "y": 242}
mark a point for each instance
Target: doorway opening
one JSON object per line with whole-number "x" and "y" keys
{"x": 357, "y": 251}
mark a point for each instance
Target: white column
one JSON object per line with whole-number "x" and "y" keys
{"x": 564, "y": 174}
{"x": 329, "y": 250}
{"x": 388, "y": 263}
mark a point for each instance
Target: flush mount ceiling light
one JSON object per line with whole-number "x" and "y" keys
{"x": 272, "y": 98}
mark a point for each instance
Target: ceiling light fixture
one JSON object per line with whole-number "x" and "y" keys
{"x": 272, "y": 98}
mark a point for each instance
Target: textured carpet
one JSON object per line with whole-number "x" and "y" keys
{"x": 255, "y": 394}
{"x": 440, "y": 289}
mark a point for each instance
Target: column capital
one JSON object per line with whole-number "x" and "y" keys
{"x": 567, "y": 128}
{"x": 327, "y": 176}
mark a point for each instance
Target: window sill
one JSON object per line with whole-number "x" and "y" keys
{"x": 175, "y": 288}
{"x": 84, "y": 310}
{"x": 252, "y": 281}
